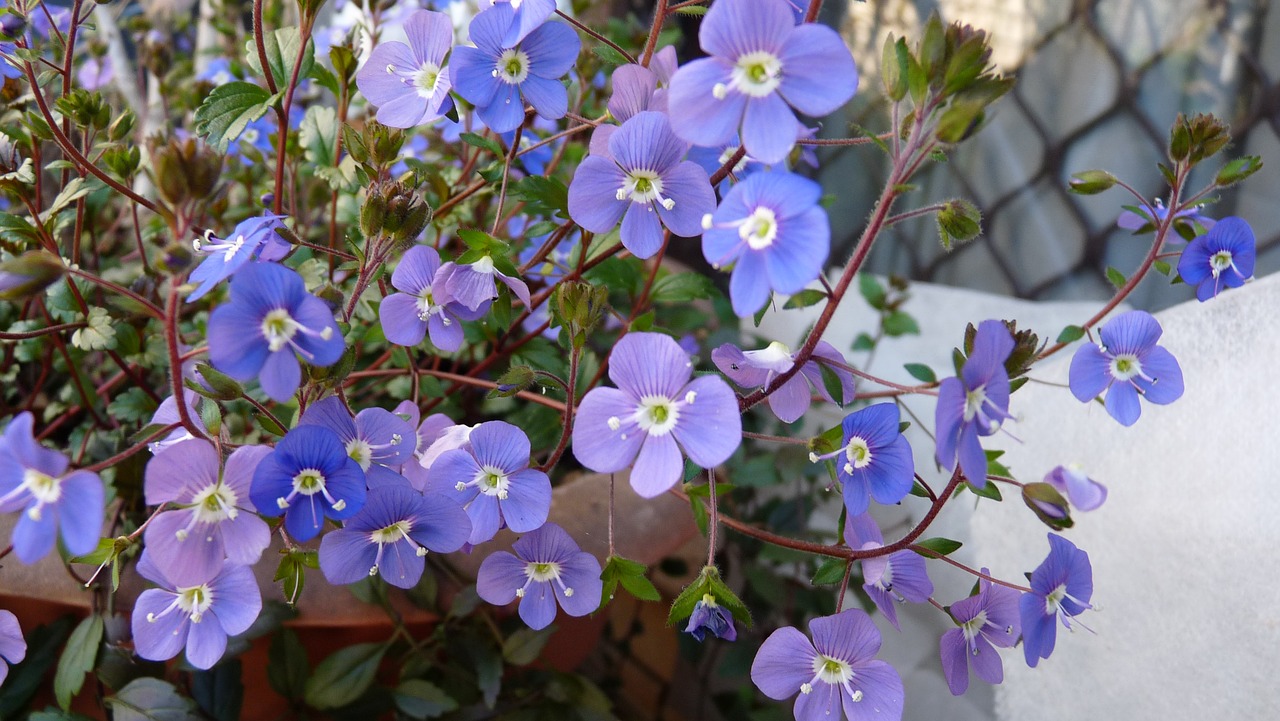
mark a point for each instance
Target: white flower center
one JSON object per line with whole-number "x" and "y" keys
{"x": 512, "y": 66}
{"x": 657, "y": 415}
{"x": 755, "y": 75}
{"x": 973, "y": 401}
{"x": 195, "y": 600}
{"x": 361, "y": 452}
{"x": 1053, "y": 600}
{"x": 392, "y": 533}
{"x": 858, "y": 453}
{"x": 492, "y": 482}
{"x": 214, "y": 504}
{"x": 643, "y": 186}
{"x": 759, "y": 229}
{"x": 543, "y": 572}
{"x": 426, "y": 78}
{"x": 1125, "y": 366}
{"x": 45, "y": 489}
{"x": 279, "y": 328}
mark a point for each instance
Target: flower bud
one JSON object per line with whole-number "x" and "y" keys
{"x": 1048, "y": 505}
{"x": 1091, "y": 182}
{"x": 29, "y": 274}
{"x": 958, "y": 220}
{"x": 185, "y": 169}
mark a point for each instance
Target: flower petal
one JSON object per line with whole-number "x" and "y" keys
{"x": 596, "y": 444}
{"x": 710, "y": 427}
{"x": 697, "y": 115}
{"x": 783, "y": 664}
{"x": 658, "y": 466}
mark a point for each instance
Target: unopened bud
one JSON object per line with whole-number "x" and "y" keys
{"x": 29, "y": 274}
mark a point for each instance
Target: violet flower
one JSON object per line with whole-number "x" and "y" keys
{"x": 255, "y": 236}
{"x": 376, "y": 439}
{"x": 758, "y": 368}
{"x": 213, "y": 521}
{"x": 472, "y": 284}
{"x": 1082, "y": 491}
{"x": 1157, "y": 212}
{"x": 835, "y": 672}
{"x": 888, "y": 580}
{"x": 526, "y": 16}
{"x": 53, "y": 502}
{"x": 1128, "y": 365}
{"x": 771, "y": 228}
{"x": 408, "y": 83}
{"x": 761, "y": 66}
{"x": 655, "y": 412}
{"x": 547, "y": 568}
{"x": 13, "y": 647}
{"x": 96, "y": 73}
{"x": 424, "y": 304}
{"x": 710, "y": 617}
{"x": 167, "y": 414}
{"x": 975, "y": 404}
{"x": 643, "y": 182}
{"x": 428, "y": 430}
{"x": 987, "y": 621}
{"x": 1222, "y": 258}
{"x": 392, "y": 535}
{"x": 499, "y": 79}
{"x": 270, "y": 320}
{"x": 635, "y": 90}
{"x": 492, "y": 479}
{"x": 1060, "y": 590}
{"x": 307, "y": 477}
{"x": 877, "y": 459}
{"x": 198, "y": 618}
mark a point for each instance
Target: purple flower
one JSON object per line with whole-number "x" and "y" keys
{"x": 424, "y": 304}
{"x": 472, "y": 284}
{"x": 1127, "y": 364}
{"x": 499, "y": 80}
{"x": 13, "y": 647}
{"x": 710, "y": 617}
{"x": 1082, "y": 491}
{"x": 212, "y": 521}
{"x": 877, "y": 459}
{"x": 167, "y": 414}
{"x": 526, "y": 17}
{"x": 307, "y": 477}
{"x": 644, "y": 183}
{"x": 548, "y": 567}
{"x": 1222, "y": 258}
{"x": 1152, "y": 214}
{"x": 758, "y": 368}
{"x": 428, "y": 431}
{"x": 1060, "y": 589}
{"x": 635, "y": 90}
{"x": 492, "y": 478}
{"x": 376, "y": 439}
{"x": 34, "y": 480}
{"x": 97, "y": 72}
{"x": 391, "y": 536}
{"x": 837, "y": 670}
{"x": 270, "y": 320}
{"x": 987, "y": 620}
{"x": 198, "y": 618}
{"x": 218, "y": 72}
{"x": 975, "y": 404}
{"x": 897, "y": 577}
{"x": 761, "y": 66}
{"x": 653, "y": 414}
{"x": 771, "y": 228}
{"x": 255, "y": 236}
{"x": 408, "y": 83}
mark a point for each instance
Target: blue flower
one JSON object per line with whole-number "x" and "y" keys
{"x": 1127, "y": 365}
{"x": 526, "y": 17}
{"x": 547, "y": 568}
{"x": 877, "y": 461}
{"x": 408, "y": 83}
{"x": 1222, "y": 258}
{"x": 376, "y": 439}
{"x": 892, "y": 579}
{"x": 270, "y": 320}
{"x": 987, "y": 621}
{"x": 13, "y": 647}
{"x": 710, "y": 617}
{"x": 758, "y": 368}
{"x": 975, "y": 404}
{"x": 254, "y": 236}
{"x": 1060, "y": 590}
{"x": 307, "y": 477}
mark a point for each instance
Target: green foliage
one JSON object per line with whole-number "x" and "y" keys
{"x": 228, "y": 110}
{"x": 344, "y": 676}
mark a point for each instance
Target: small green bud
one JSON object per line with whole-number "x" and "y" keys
{"x": 516, "y": 379}
{"x": 1180, "y": 139}
{"x": 894, "y": 68}
{"x": 122, "y": 161}
{"x": 373, "y": 214}
{"x": 1048, "y": 504}
{"x": 29, "y": 274}
{"x": 958, "y": 220}
{"x": 223, "y": 386}
{"x": 1091, "y": 182}
{"x": 122, "y": 126}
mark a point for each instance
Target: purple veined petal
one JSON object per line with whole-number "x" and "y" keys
{"x": 992, "y": 344}
{"x": 986, "y": 661}
{"x": 486, "y": 518}
{"x": 318, "y": 351}
{"x": 599, "y": 144}
{"x": 489, "y": 28}
{"x": 529, "y": 16}
{"x": 506, "y": 112}
{"x": 430, "y": 35}
{"x": 538, "y": 606}
{"x": 236, "y": 344}
{"x": 381, "y": 87}
{"x": 528, "y": 501}
{"x": 650, "y": 364}
{"x": 346, "y": 556}
{"x": 446, "y": 333}
{"x": 192, "y": 466}
{"x": 596, "y": 444}
{"x": 1130, "y": 332}
{"x": 783, "y": 664}
{"x": 633, "y": 88}
{"x": 856, "y": 491}
{"x": 881, "y": 598}
{"x": 955, "y": 661}
{"x": 470, "y": 72}
{"x": 33, "y": 539}
{"x": 796, "y": 258}
{"x": 737, "y": 27}
{"x": 1090, "y": 372}
{"x": 948, "y": 420}
{"x": 823, "y": 702}
{"x": 641, "y": 231}
{"x": 280, "y": 375}
{"x": 330, "y": 413}
{"x": 646, "y": 142}
{"x": 241, "y": 464}
{"x": 187, "y": 559}
{"x": 1194, "y": 265}
{"x": 416, "y": 270}
{"x": 581, "y": 572}
{"x": 910, "y": 576}
{"x": 768, "y": 129}
{"x": 206, "y": 642}
{"x": 19, "y": 440}
{"x": 12, "y": 646}
{"x": 710, "y": 427}
{"x": 383, "y": 428}
{"x": 664, "y": 64}
{"x": 749, "y": 287}
{"x": 1039, "y": 631}
{"x": 553, "y": 49}
{"x": 1160, "y": 365}
{"x": 237, "y": 599}
{"x": 500, "y": 576}
{"x": 548, "y": 97}
{"x": 882, "y": 693}
{"x": 547, "y": 544}
{"x": 346, "y": 484}
{"x": 849, "y": 635}
{"x": 895, "y": 472}
{"x": 148, "y": 570}
{"x": 689, "y": 186}
{"x": 876, "y": 424}
{"x": 500, "y": 444}
{"x": 400, "y": 322}
{"x": 244, "y": 538}
{"x": 791, "y": 400}
{"x": 406, "y": 111}
{"x": 162, "y": 638}
{"x": 267, "y": 285}
{"x": 730, "y": 360}
{"x": 818, "y": 73}
{"x": 378, "y": 476}
{"x": 592, "y": 200}
{"x": 401, "y": 565}
{"x": 1122, "y": 403}
{"x": 304, "y": 518}
{"x": 721, "y": 245}
{"x": 861, "y": 529}
{"x": 973, "y": 460}
{"x": 517, "y": 287}
{"x": 658, "y": 466}
{"x": 697, "y": 115}
{"x": 441, "y": 525}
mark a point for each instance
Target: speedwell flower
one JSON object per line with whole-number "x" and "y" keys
{"x": 892, "y": 579}
{"x": 987, "y": 621}
{"x": 835, "y": 672}
{"x": 13, "y": 647}
{"x": 875, "y": 459}
{"x": 758, "y": 368}
{"x": 1127, "y": 364}
{"x": 713, "y": 618}
{"x": 761, "y": 65}
{"x": 408, "y": 83}
{"x": 548, "y": 567}
{"x": 307, "y": 477}
{"x": 1082, "y": 491}
{"x": 1222, "y": 258}
{"x": 270, "y": 320}
{"x": 424, "y": 304}
{"x": 527, "y": 16}
{"x": 253, "y": 237}
{"x": 654, "y": 413}
{"x": 975, "y": 404}
{"x": 1060, "y": 590}
{"x": 376, "y": 439}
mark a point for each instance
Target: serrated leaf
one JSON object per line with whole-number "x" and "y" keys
{"x": 610, "y": 55}
{"x": 921, "y": 372}
{"x": 77, "y": 659}
{"x": 830, "y": 572}
{"x": 319, "y": 135}
{"x": 1071, "y": 334}
{"x": 150, "y": 699}
{"x": 75, "y": 189}
{"x": 282, "y": 47}
{"x": 419, "y": 699}
{"x": 228, "y": 110}
{"x": 523, "y": 647}
{"x": 939, "y": 545}
{"x": 344, "y": 676}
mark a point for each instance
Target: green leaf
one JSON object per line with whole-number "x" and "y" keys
{"x": 805, "y": 298}
{"x": 218, "y": 691}
{"x": 680, "y": 287}
{"x": 150, "y": 699}
{"x": 132, "y": 406}
{"x": 1237, "y": 170}
{"x": 269, "y": 425}
{"x": 344, "y": 676}
{"x": 610, "y": 55}
{"x": 523, "y": 647}
{"x": 708, "y": 583}
{"x": 921, "y": 372}
{"x": 898, "y": 323}
{"x": 1116, "y": 277}
{"x": 863, "y": 342}
{"x": 872, "y": 291}
{"x": 830, "y": 572}
{"x": 74, "y": 190}
{"x": 419, "y": 699}
{"x": 77, "y": 659}
{"x": 287, "y": 666}
{"x": 319, "y": 135}
{"x": 282, "y": 52}
{"x": 1091, "y": 182}
{"x": 641, "y": 587}
{"x": 939, "y": 545}
{"x": 832, "y": 384}
{"x": 631, "y": 575}
{"x": 543, "y": 195}
{"x": 1071, "y": 334}
{"x": 1162, "y": 267}
{"x": 481, "y": 141}
{"x": 228, "y": 110}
